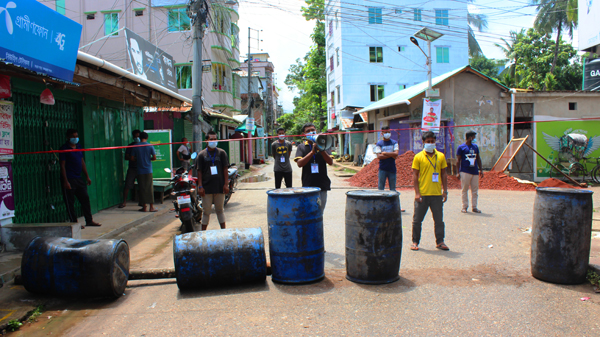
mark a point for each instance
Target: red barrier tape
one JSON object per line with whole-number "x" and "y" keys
{"x": 287, "y": 136}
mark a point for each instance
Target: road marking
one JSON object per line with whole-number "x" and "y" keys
{"x": 10, "y": 312}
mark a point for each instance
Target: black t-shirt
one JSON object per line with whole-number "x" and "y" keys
{"x": 132, "y": 163}
{"x": 212, "y": 183}
{"x": 309, "y": 179}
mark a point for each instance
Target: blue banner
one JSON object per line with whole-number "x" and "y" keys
{"x": 38, "y": 38}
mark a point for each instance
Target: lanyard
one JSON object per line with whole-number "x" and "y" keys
{"x": 212, "y": 158}
{"x": 435, "y": 159}
{"x": 314, "y": 158}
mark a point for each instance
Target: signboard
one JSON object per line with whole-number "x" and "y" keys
{"x": 587, "y": 25}
{"x": 164, "y": 156}
{"x": 6, "y": 130}
{"x": 432, "y": 114}
{"x": 591, "y": 75}
{"x": 260, "y": 143}
{"x": 249, "y": 125}
{"x": 7, "y": 198}
{"x": 38, "y": 38}
{"x": 150, "y": 62}
{"x": 547, "y": 142}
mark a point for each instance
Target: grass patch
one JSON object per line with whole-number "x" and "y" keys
{"x": 593, "y": 277}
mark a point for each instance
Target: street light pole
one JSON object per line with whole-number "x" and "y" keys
{"x": 197, "y": 11}
{"x": 429, "y": 65}
{"x": 428, "y": 35}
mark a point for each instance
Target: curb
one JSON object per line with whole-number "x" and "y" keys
{"x": 112, "y": 234}
{"x": 9, "y": 276}
{"x": 595, "y": 268}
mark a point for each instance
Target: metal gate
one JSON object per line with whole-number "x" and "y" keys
{"x": 39, "y": 127}
{"x": 523, "y": 162}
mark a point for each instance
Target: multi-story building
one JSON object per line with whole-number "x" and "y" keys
{"x": 369, "y": 54}
{"x": 165, "y": 23}
{"x": 264, "y": 69}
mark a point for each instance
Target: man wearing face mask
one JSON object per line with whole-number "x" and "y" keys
{"x": 387, "y": 151}
{"x": 212, "y": 167}
{"x": 72, "y": 166}
{"x": 131, "y": 175}
{"x": 429, "y": 176}
{"x": 282, "y": 150}
{"x": 183, "y": 154}
{"x": 313, "y": 163}
{"x": 467, "y": 164}
{"x": 144, "y": 156}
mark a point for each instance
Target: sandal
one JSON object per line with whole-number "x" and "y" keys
{"x": 464, "y": 210}
{"x": 442, "y": 246}
{"x": 476, "y": 210}
{"x": 414, "y": 246}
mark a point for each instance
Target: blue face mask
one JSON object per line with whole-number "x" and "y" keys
{"x": 212, "y": 144}
{"x": 74, "y": 140}
{"x": 136, "y": 139}
{"x": 474, "y": 141}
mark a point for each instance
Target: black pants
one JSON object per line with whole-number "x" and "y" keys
{"x": 437, "y": 210}
{"x": 283, "y": 175}
{"x": 79, "y": 190}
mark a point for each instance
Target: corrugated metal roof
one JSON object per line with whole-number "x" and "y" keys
{"x": 347, "y": 122}
{"x": 404, "y": 96}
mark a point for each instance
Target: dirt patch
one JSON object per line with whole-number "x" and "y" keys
{"x": 553, "y": 182}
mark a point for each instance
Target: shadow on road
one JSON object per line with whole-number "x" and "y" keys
{"x": 448, "y": 254}
{"x": 315, "y": 288}
{"x": 403, "y": 285}
{"x": 225, "y": 290}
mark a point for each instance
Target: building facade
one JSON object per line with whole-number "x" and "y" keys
{"x": 370, "y": 56}
{"x": 165, "y": 23}
{"x": 264, "y": 69}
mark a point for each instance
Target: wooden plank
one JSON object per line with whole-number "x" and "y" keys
{"x": 515, "y": 154}
{"x": 502, "y": 156}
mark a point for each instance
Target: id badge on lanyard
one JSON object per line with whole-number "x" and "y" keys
{"x": 314, "y": 168}
{"x": 282, "y": 159}
{"x": 213, "y": 170}
{"x": 435, "y": 177}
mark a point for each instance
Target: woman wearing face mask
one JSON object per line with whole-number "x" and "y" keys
{"x": 429, "y": 177}
{"x": 282, "y": 149}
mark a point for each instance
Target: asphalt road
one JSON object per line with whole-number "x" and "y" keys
{"x": 481, "y": 287}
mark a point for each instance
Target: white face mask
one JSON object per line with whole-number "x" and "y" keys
{"x": 387, "y": 135}
{"x": 429, "y": 147}
{"x": 282, "y": 137}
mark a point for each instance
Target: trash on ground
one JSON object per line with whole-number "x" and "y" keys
{"x": 491, "y": 246}
{"x": 585, "y": 298}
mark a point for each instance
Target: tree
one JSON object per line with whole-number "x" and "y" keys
{"x": 485, "y": 66}
{"x": 555, "y": 15}
{"x": 479, "y": 22}
{"x": 509, "y": 75}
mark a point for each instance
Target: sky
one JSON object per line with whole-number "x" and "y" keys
{"x": 285, "y": 33}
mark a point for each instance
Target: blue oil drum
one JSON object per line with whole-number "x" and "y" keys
{"x": 75, "y": 268}
{"x": 373, "y": 236}
{"x": 219, "y": 257}
{"x": 561, "y": 234}
{"x": 296, "y": 245}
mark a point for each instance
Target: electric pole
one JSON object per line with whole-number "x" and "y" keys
{"x": 197, "y": 11}
{"x": 250, "y": 101}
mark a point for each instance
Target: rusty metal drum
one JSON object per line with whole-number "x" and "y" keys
{"x": 561, "y": 234}
{"x": 296, "y": 244}
{"x": 373, "y": 236}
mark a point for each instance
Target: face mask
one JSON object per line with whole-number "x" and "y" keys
{"x": 213, "y": 144}
{"x": 312, "y": 136}
{"x": 74, "y": 140}
{"x": 429, "y": 147}
{"x": 387, "y": 135}
{"x": 474, "y": 141}
{"x": 136, "y": 139}
{"x": 282, "y": 137}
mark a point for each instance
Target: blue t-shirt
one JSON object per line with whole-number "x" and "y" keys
{"x": 389, "y": 164}
{"x": 143, "y": 156}
{"x": 72, "y": 160}
{"x": 468, "y": 158}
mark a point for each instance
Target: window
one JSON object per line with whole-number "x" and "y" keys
{"x": 111, "y": 24}
{"x": 376, "y": 93}
{"x": 337, "y": 21}
{"x": 184, "y": 76}
{"x": 178, "y": 20}
{"x": 91, "y": 16}
{"x": 376, "y": 54}
{"x": 442, "y": 54}
{"x": 330, "y": 28}
{"x": 220, "y": 78}
{"x": 60, "y": 7}
{"x": 397, "y": 11}
{"x": 417, "y": 14}
{"x": 139, "y": 12}
{"x": 331, "y": 63}
{"x": 338, "y": 93}
{"x": 332, "y": 98}
{"x": 375, "y": 16}
{"x": 572, "y": 106}
{"x": 401, "y": 48}
{"x": 337, "y": 56}
{"x": 441, "y": 17}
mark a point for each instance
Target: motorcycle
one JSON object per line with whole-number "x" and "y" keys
{"x": 233, "y": 181}
{"x": 188, "y": 204}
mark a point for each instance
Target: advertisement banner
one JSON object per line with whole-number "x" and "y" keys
{"x": 38, "y": 38}
{"x": 250, "y": 125}
{"x": 563, "y": 141}
{"x": 432, "y": 114}
{"x": 164, "y": 156}
{"x": 150, "y": 62}
{"x": 591, "y": 75}
{"x": 587, "y": 25}
{"x": 6, "y": 130}
{"x": 260, "y": 143}
{"x": 7, "y": 207}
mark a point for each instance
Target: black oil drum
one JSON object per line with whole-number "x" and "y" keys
{"x": 561, "y": 234}
{"x": 76, "y": 268}
{"x": 373, "y": 236}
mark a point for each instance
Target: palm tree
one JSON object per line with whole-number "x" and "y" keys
{"x": 555, "y": 15}
{"x": 509, "y": 74}
{"x": 479, "y": 22}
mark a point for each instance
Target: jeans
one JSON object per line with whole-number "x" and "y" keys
{"x": 78, "y": 190}
{"x": 391, "y": 177}
{"x": 287, "y": 176}
{"x": 435, "y": 202}
{"x": 469, "y": 180}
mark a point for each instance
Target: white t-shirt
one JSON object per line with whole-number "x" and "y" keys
{"x": 184, "y": 150}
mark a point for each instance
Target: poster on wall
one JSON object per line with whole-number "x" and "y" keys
{"x": 164, "y": 156}
{"x": 432, "y": 114}
{"x": 563, "y": 142}
{"x": 7, "y": 206}
{"x": 588, "y": 28}
{"x": 260, "y": 143}
{"x": 6, "y": 130}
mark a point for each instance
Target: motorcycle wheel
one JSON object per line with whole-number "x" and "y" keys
{"x": 228, "y": 195}
{"x": 188, "y": 225}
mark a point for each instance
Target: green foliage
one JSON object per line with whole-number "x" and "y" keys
{"x": 14, "y": 325}
{"x": 593, "y": 277}
{"x": 485, "y": 66}
{"x": 35, "y": 313}
{"x": 308, "y": 76}
{"x": 479, "y": 22}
